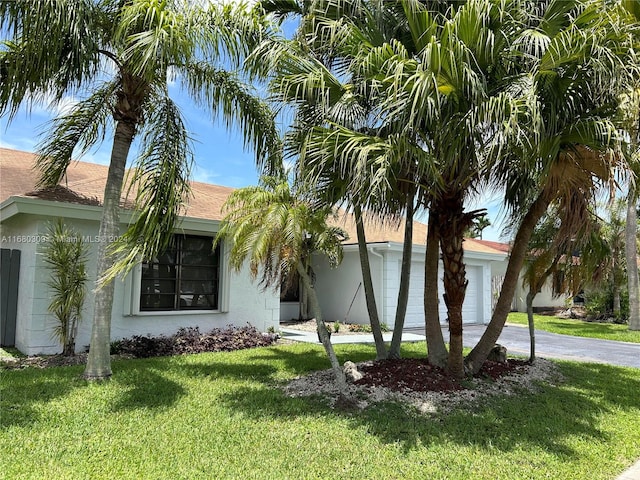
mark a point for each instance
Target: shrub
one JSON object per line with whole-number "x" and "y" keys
{"x": 66, "y": 255}
{"x": 191, "y": 340}
{"x": 599, "y": 303}
{"x": 366, "y": 328}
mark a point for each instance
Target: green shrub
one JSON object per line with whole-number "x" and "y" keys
{"x": 66, "y": 256}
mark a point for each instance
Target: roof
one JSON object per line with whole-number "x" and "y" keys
{"x": 84, "y": 183}
{"x": 393, "y": 231}
{"x": 502, "y": 247}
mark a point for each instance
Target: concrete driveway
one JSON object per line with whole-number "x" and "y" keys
{"x": 516, "y": 339}
{"x": 552, "y": 345}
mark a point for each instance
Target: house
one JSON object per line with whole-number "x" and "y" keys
{"x": 341, "y": 293}
{"x": 545, "y": 300}
{"x": 189, "y": 286}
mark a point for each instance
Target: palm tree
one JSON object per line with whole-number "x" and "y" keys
{"x": 277, "y": 229}
{"x": 564, "y": 232}
{"x": 576, "y": 71}
{"x": 119, "y": 56}
{"x": 479, "y": 224}
{"x": 437, "y": 90}
{"x": 329, "y": 97}
{"x": 630, "y": 113}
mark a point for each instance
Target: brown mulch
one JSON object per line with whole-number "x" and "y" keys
{"x": 46, "y": 361}
{"x": 418, "y": 375}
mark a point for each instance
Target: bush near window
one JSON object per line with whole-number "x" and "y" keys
{"x": 191, "y": 340}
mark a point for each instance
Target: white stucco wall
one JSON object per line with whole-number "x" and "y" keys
{"x": 336, "y": 287}
{"x": 544, "y": 299}
{"x": 242, "y": 301}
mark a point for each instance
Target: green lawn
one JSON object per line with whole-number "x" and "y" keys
{"x": 221, "y": 415}
{"x": 578, "y": 328}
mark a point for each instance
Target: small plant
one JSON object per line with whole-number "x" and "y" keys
{"x": 190, "y": 340}
{"x": 358, "y": 328}
{"x": 66, "y": 255}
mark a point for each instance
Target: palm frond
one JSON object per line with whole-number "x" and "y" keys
{"x": 223, "y": 92}
{"x": 161, "y": 177}
{"x": 54, "y": 51}
{"x": 79, "y": 130}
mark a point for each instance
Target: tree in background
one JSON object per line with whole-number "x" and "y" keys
{"x": 119, "y": 57}
{"x": 277, "y": 229}
{"x": 605, "y": 261}
{"x": 66, "y": 255}
{"x": 478, "y": 225}
{"x": 554, "y": 253}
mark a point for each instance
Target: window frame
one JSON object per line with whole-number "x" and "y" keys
{"x": 133, "y": 285}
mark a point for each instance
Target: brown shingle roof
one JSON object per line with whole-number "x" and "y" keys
{"x": 18, "y": 178}
{"x": 87, "y": 180}
{"x": 377, "y": 232}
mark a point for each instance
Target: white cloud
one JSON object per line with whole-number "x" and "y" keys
{"x": 203, "y": 175}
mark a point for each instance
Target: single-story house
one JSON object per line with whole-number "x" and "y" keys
{"x": 193, "y": 286}
{"x": 187, "y": 287}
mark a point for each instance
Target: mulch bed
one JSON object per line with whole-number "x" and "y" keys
{"x": 416, "y": 374}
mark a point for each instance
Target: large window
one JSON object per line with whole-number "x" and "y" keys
{"x": 184, "y": 277}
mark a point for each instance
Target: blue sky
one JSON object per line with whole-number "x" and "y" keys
{"x": 220, "y": 157}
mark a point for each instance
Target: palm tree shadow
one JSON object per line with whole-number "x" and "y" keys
{"x": 542, "y": 420}
{"x": 145, "y": 388}
{"x": 22, "y": 393}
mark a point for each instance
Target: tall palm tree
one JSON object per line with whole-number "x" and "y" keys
{"x": 329, "y": 96}
{"x": 630, "y": 113}
{"x": 277, "y": 229}
{"x": 501, "y": 93}
{"x": 437, "y": 90}
{"x": 119, "y": 56}
{"x": 572, "y": 53}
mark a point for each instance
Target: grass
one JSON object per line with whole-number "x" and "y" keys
{"x": 10, "y": 352}
{"x": 222, "y": 415}
{"x": 578, "y": 328}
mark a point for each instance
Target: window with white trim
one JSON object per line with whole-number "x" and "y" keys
{"x": 184, "y": 277}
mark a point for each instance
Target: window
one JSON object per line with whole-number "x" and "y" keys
{"x": 184, "y": 277}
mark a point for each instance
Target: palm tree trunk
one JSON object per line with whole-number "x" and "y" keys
{"x": 369, "y": 294}
{"x": 532, "y": 329}
{"x": 436, "y": 350}
{"x": 616, "y": 300}
{"x": 405, "y": 275}
{"x": 341, "y": 381}
{"x": 631, "y": 253}
{"x": 452, "y": 226}
{"x": 480, "y": 352}
{"x": 99, "y": 359}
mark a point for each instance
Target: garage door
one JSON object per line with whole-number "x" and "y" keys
{"x": 415, "y": 308}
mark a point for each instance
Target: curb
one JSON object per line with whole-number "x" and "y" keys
{"x": 632, "y": 473}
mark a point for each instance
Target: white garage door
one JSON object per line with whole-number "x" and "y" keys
{"x": 415, "y": 307}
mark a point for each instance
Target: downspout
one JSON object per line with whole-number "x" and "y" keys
{"x": 382, "y": 309}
